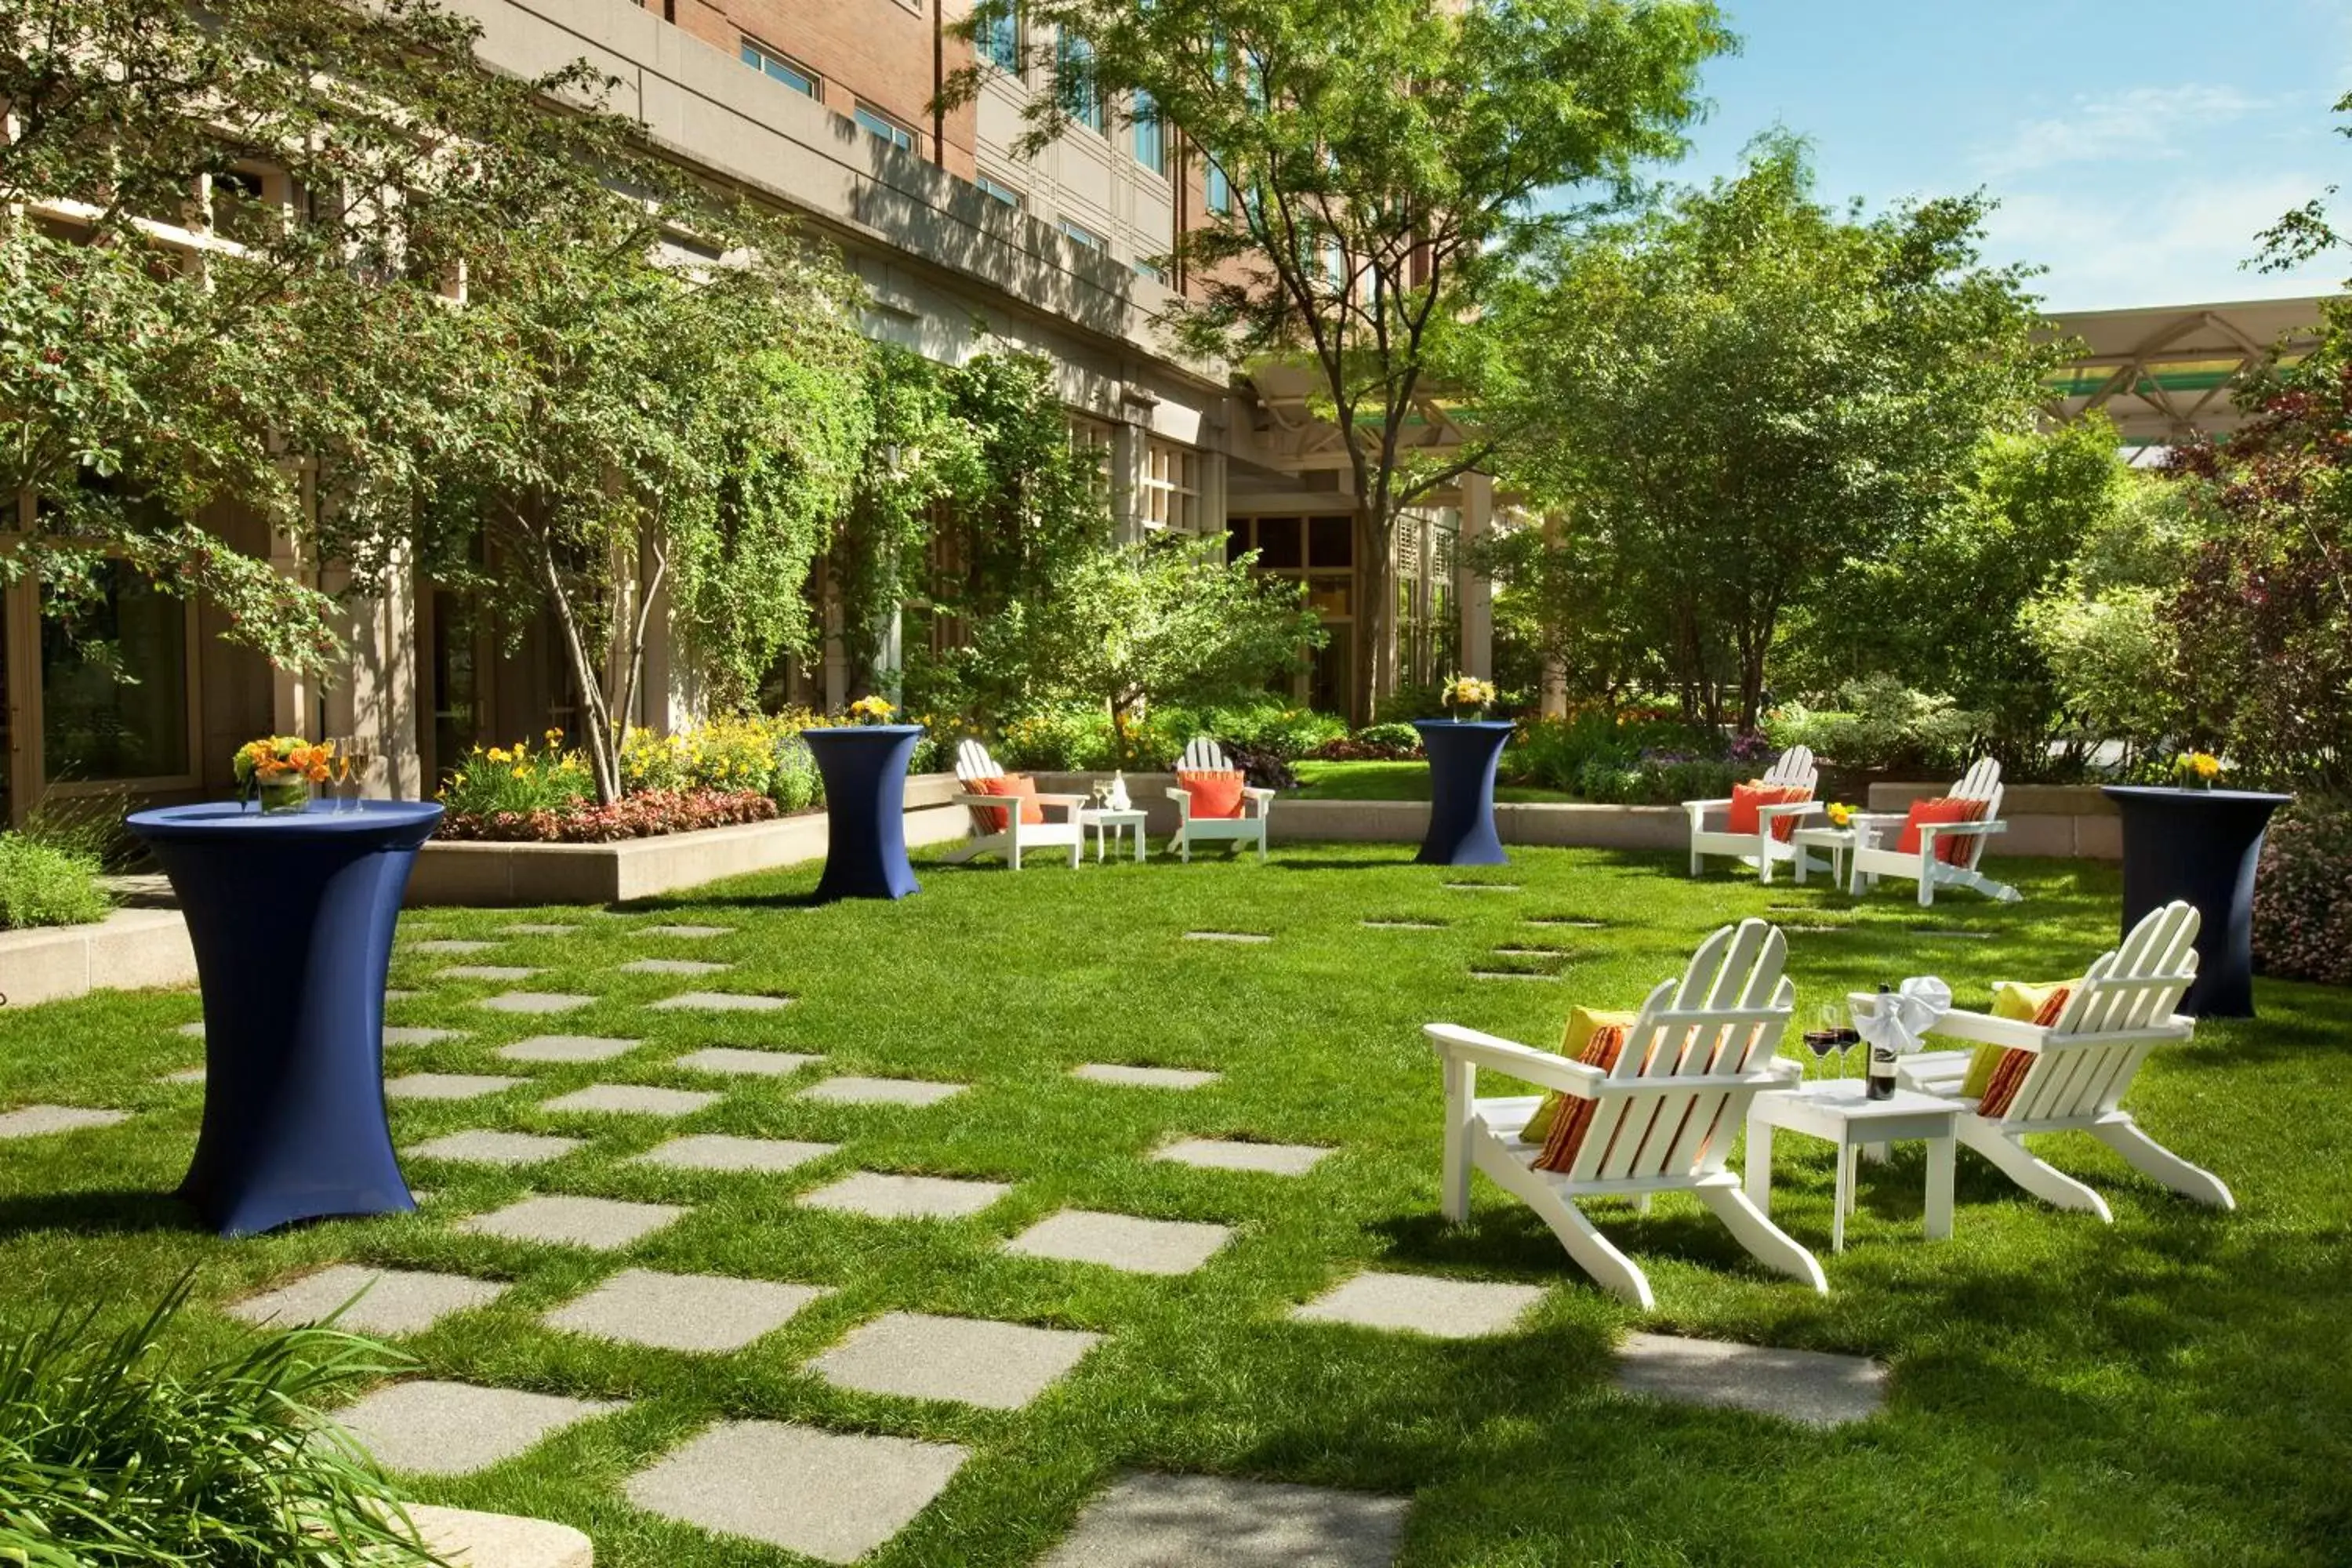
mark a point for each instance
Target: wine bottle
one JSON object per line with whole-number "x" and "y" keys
{"x": 1881, "y": 1084}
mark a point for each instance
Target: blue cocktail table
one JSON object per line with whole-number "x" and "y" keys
{"x": 1462, "y": 757}
{"x": 291, "y": 917}
{"x": 864, "y": 770}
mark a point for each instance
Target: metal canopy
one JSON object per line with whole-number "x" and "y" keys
{"x": 2168, "y": 372}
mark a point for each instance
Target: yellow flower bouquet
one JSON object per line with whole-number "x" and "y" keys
{"x": 872, "y": 711}
{"x": 2202, "y": 767}
{"x": 1467, "y": 697}
{"x": 282, "y": 770}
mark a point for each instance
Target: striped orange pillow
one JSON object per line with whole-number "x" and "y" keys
{"x": 1565, "y": 1135}
{"x": 2009, "y": 1074}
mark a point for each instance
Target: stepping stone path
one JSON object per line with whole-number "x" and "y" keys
{"x": 1482, "y": 886}
{"x": 1405, "y": 925}
{"x": 1422, "y": 1304}
{"x": 1567, "y": 921}
{"x": 686, "y": 931}
{"x": 1225, "y": 936}
{"x": 446, "y": 1085}
{"x": 436, "y": 1428}
{"x": 1511, "y": 975}
{"x": 630, "y": 1099}
{"x": 1802, "y": 1385}
{"x": 496, "y": 1148}
{"x": 486, "y": 972}
{"x": 450, "y": 944}
{"x": 567, "y": 1048}
{"x": 394, "y": 994}
{"x": 724, "y": 1152}
{"x": 885, "y": 1196}
{"x": 1151, "y": 1521}
{"x": 700, "y": 1312}
{"x": 723, "y": 1002}
{"x": 854, "y": 1090}
{"x": 1529, "y": 952}
{"x": 745, "y": 1063}
{"x": 1964, "y": 935}
{"x": 534, "y": 1001}
{"x": 603, "y": 1224}
{"x": 398, "y": 1300}
{"x": 1144, "y": 1078}
{"x": 397, "y": 1035}
{"x": 672, "y": 966}
{"x": 186, "y": 1075}
{"x": 998, "y": 1366}
{"x": 33, "y": 1121}
{"x": 194, "y": 1031}
{"x": 827, "y": 1495}
{"x": 1237, "y": 1154}
{"x": 541, "y": 927}
{"x": 1122, "y": 1241}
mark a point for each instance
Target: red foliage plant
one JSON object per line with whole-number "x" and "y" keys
{"x": 642, "y": 815}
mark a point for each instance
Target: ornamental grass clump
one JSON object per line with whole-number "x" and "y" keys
{"x": 47, "y": 885}
{"x": 110, "y": 1457}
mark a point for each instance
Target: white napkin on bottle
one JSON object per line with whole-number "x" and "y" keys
{"x": 1903, "y": 1016}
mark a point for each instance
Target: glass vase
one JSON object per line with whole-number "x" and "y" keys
{"x": 283, "y": 796}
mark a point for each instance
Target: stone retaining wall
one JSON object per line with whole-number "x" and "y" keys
{"x": 2061, "y": 822}
{"x": 129, "y": 949}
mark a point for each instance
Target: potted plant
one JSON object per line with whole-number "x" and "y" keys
{"x": 282, "y": 769}
{"x": 1467, "y": 697}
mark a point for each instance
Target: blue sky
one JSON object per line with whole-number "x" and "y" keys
{"x": 2136, "y": 145}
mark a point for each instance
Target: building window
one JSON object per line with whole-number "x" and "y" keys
{"x": 115, "y": 693}
{"x": 1150, "y": 135}
{"x": 777, "y": 68}
{"x": 1001, "y": 192}
{"x": 882, "y": 128}
{"x": 1086, "y": 100}
{"x": 1092, "y": 439}
{"x": 1086, "y": 236}
{"x": 1172, "y": 487}
{"x": 1000, "y": 42}
{"x": 1219, "y": 190}
{"x": 1147, "y": 268}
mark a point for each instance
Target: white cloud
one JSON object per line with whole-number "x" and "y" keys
{"x": 2109, "y": 248}
{"x": 2141, "y": 123}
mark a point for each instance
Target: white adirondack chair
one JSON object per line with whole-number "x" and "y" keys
{"x": 1702, "y": 1048}
{"x": 1203, "y": 754}
{"x": 2121, "y": 1011}
{"x": 1871, "y": 861}
{"x": 1016, "y": 837}
{"x": 1759, "y": 848}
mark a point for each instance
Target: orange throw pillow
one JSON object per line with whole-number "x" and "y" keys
{"x": 2009, "y": 1075}
{"x": 1953, "y": 849}
{"x": 1747, "y": 797}
{"x": 1214, "y": 793}
{"x": 1015, "y": 787}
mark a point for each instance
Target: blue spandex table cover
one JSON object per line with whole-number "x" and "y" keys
{"x": 2200, "y": 846}
{"x": 865, "y": 771}
{"x": 291, "y": 917}
{"x": 1462, "y": 757}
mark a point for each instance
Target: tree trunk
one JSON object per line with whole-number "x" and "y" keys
{"x": 1376, "y": 643}
{"x": 603, "y": 764}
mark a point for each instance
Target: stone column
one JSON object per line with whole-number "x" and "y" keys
{"x": 293, "y": 697}
{"x": 1474, "y": 596}
{"x": 1127, "y": 452}
{"x": 375, "y": 701}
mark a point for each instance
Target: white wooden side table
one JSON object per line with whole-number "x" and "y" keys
{"x": 1836, "y": 842}
{"x": 1840, "y": 1111}
{"x": 1110, "y": 823}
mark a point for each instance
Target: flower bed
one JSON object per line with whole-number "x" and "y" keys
{"x": 641, "y": 816}
{"x": 2302, "y": 895}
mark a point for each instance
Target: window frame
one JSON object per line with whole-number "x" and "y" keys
{"x": 1080, "y": 235}
{"x": 774, "y": 65}
{"x": 997, "y": 190}
{"x": 883, "y": 126}
{"x": 1147, "y": 120}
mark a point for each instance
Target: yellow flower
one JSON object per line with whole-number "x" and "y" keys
{"x": 520, "y": 773}
{"x": 1841, "y": 813}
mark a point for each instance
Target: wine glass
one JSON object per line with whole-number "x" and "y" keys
{"x": 1826, "y": 1034}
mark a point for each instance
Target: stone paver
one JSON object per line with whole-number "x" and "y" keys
{"x": 885, "y": 1196}
{"x": 603, "y": 1224}
{"x": 486, "y": 972}
{"x": 854, "y": 1090}
{"x": 1422, "y": 1304}
{"x": 194, "y": 1031}
{"x": 1154, "y": 1521}
{"x": 566, "y": 1048}
{"x": 445, "y": 1085}
{"x": 1144, "y": 1078}
{"x": 394, "y": 994}
{"x": 534, "y": 1001}
{"x": 466, "y": 1539}
{"x": 685, "y": 931}
{"x": 616, "y": 1099}
{"x": 450, "y": 944}
{"x": 32, "y": 1120}
{"x": 1236, "y": 1154}
{"x": 541, "y": 928}
{"x": 737, "y": 1060}
{"x": 186, "y": 1075}
{"x": 999, "y": 1367}
{"x": 724, "y": 1152}
{"x": 1802, "y": 1385}
{"x": 1122, "y": 1241}
{"x": 1406, "y": 925}
{"x": 437, "y": 1428}
{"x": 703, "y": 1312}
{"x": 1529, "y": 952}
{"x": 827, "y": 1495}
{"x": 673, "y": 966}
{"x": 398, "y": 1300}
{"x": 721, "y": 1001}
{"x": 1567, "y": 922}
{"x": 1483, "y": 887}
{"x": 398, "y": 1035}
{"x": 496, "y": 1148}
{"x": 1511, "y": 975}
{"x": 1226, "y": 936}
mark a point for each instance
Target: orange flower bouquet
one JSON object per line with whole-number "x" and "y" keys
{"x": 282, "y": 770}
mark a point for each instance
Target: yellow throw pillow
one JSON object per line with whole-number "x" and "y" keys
{"x": 1583, "y": 1023}
{"x": 2020, "y": 1003}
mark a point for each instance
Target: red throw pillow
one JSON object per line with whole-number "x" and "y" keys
{"x": 1747, "y": 797}
{"x": 1953, "y": 849}
{"x": 1020, "y": 786}
{"x": 1214, "y": 793}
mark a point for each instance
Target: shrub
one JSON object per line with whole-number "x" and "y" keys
{"x": 107, "y": 1457}
{"x": 796, "y": 784}
{"x": 727, "y": 753}
{"x": 44, "y": 885}
{"x": 1277, "y": 731}
{"x": 2302, "y": 895}
{"x": 1599, "y": 747}
{"x": 1057, "y": 739}
{"x": 510, "y": 781}
{"x": 643, "y": 815}
{"x": 1882, "y": 726}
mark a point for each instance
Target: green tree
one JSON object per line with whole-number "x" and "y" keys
{"x": 1386, "y": 157}
{"x": 1744, "y": 389}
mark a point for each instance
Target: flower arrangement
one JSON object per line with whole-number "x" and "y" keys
{"x": 872, "y": 711}
{"x": 1840, "y": 815}
{"x": 282, "y": 769}
{"x": 2203, "y": 767}
{"x": 1467, "y": 697}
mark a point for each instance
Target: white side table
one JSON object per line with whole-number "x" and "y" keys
{"x": 1840, "y": 1111}
{"x": 1838, "y": 842}
{"x": 1112, "y": 823}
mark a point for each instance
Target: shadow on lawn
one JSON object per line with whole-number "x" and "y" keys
{"x": 97, "y": 1213}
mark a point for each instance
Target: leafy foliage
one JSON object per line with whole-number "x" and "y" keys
{"x": 2303, "y": 893}
{"x": 44, "y": 884}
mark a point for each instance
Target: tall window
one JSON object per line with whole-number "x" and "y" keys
{"x": 114, "y": 682}
{"x": 1091, "y": 437}
{"x": 1172, "y": 487}
{"x": 1150, "y": 135}
{"x": 1086, "y": 236}
{"x": 1078, "y": 63}
{"x": 1219, "y": 190}
{"x": 1001, "y": 192}
{"x": 881, "y": 127}
{"x": 1000, "y": 43}
{"x": 778, "y": 68}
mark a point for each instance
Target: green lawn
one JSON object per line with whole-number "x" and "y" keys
{"x": 1390, "y": 781}
{"x": 2172, "y": 1389}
